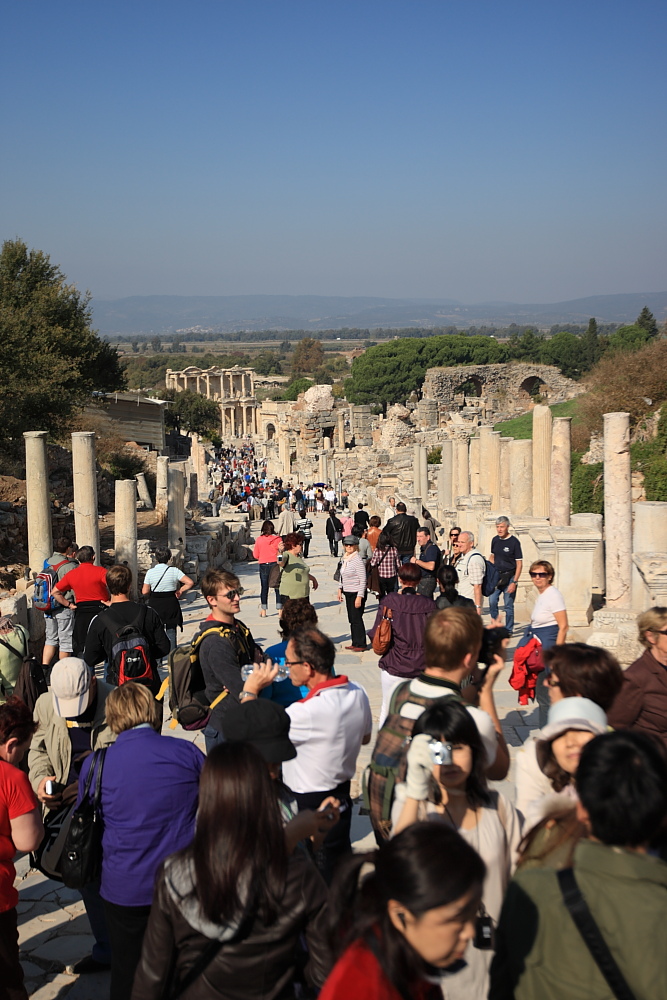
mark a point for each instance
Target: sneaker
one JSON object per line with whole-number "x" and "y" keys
{"x": 85, "y": 965}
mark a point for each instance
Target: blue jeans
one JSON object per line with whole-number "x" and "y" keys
{"x": 547, "y": 637}
{"x": 264, "y": 573}
{"x": 494, "y": 600}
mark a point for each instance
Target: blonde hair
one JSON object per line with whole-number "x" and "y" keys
{"x": 132, "y": 705}
{"x": 450, "y": 635}
{"x": 653, "y": 620}
{"x": 550, "y": 571}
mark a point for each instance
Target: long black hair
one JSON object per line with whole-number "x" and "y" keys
{"x": 449, "y": 579}
{"x": 426, "y": 866}
{"x": 451, "y": 722}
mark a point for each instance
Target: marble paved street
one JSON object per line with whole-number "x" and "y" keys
{"x": 54, "y": 930}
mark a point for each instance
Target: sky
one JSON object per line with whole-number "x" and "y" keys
{"x": 463, "y": 149}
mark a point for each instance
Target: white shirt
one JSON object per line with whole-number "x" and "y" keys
{"x": 543, "y": 610}
{"x": 329, "y": 495}
{"x": 471, "y": 569}
{"x": 327, "y": 729}
{"x": 163, "y": 579}
{"x": 389, "y": 512}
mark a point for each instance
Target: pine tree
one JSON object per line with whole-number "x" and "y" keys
{"x": 646, "y": 320}
{"x": 592, "y": 348}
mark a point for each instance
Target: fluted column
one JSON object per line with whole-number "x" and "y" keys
{"x": 473, "y": 456}
{"x": 561, "y": 458}
{"x": 176, "y": 515}
{"x": 618, "y": 510}
{"x": 125, "y": 527}
{"x": 445, "y": 476}
{"x": 521, "y": 477}
{"x": 84, "y": 477}
{"x": 489, "y": 463}
{"x": 423, "y": 476}
{"x": 541, "y": 461}
{"x": 40, "y": 542}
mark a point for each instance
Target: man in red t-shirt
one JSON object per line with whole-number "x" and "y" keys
{"x": 91, "y": 594}
{"x": 21, "y": 829}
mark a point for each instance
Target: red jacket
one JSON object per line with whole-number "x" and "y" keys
{"x": 357, "y": 976}
{"x": 528, "y": 664}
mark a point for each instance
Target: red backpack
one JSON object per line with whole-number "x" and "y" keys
{"x": 130, "y": 655}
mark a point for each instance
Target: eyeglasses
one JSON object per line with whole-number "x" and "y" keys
{"x": 231, "y": 594}
{"x": 657, "y": 631}
{"x": 552, "y": 682}
{"x": 294, "y": 663}
{"x": 538, "y": 574}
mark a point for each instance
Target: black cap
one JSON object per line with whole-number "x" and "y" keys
{"x": 263, "y": 723}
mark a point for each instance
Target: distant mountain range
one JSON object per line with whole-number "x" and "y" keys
{"x": 168, "y": 314}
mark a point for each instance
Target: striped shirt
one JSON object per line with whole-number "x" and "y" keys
{"x": 387, "y": 561}
{"x": 304, "y": 525}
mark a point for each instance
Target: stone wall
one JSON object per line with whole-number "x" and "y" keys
{"x": 508, "y": 388}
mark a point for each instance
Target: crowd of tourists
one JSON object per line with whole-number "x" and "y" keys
{"x": 231, "y": 873}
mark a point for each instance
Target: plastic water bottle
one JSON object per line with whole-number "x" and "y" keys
{"x": 283, "y": 670}
{"x": 246, "y": 670}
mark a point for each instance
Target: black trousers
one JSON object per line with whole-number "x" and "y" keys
{"x": 387, "y": 585}
{"x": 83, "y": 616}
{"x": 306, "y": 546}
{"x": 127, "y": 926}
{"x": 355, "y": 616}
{"x": 11, "y": 973}
{"x": 337, "y": 842}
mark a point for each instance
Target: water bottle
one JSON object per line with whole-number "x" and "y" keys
{"x": 283, "y": 670}
{"x": 246, "y": 670}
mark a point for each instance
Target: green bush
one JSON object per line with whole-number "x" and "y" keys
{"x": 587, "y": 487}
{"x": 434, "y": 456}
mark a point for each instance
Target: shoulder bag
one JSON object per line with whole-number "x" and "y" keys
{"x": 383, "y": 637}
{"x": 590, "y": 932}
{"x": 81, "y": 859}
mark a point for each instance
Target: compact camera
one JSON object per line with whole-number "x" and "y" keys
{"x": 441, "y": 753}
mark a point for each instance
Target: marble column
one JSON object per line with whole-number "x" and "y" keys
{"x": 143, "y": 491}
{"x": 445, "y": 476}
{"x": 462, "y": 467}
{"x": 416, "y": 470}
{"x": 193, "y": 499}
{"x": 125, "y": 527}
{"x": 561, "y": 456}
{"x": 84, "y": 477}
{"x": 40, "y": 541}
{"x": 284, "y": 456}
{"x": 161, "y": 481}
{"x": 341, "y": 430}
{"x": 176, "y": 518}
{"x": 423, "y": 476}
{"x": 489, "y": 464}
{"x": 475, "y": 481}
{"x": 541, "y": 461}
{"x": 521, "y": 477}
{"x": 505, "y": 481}
{"x": 332, "y": 474}
{"x": 618, "y": 510}
{"x": 649, "y": 536}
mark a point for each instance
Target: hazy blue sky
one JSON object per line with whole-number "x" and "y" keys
{"x": 469, "y": 149}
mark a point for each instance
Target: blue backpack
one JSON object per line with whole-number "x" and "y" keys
{"x": 45, "y": 583}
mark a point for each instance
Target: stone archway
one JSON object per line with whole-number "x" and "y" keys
{"x": 533, "y": 386}
{"x": 472, "y": 386}
{"x": 270, "y": 432}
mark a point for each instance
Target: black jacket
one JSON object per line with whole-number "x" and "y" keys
{"x": 402, "y": 532}
{"x": 100, "y": 638}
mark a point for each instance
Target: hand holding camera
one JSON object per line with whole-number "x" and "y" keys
{"x": 420, "y": 767}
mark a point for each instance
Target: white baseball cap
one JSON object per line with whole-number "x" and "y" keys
{"x": 70, "y": 687}
{"x": 566, "y": 714}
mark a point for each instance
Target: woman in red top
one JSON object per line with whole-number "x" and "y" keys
{"x": 266, "y": 552}
{"x": 408, "y": 919}
{"x": 20, "y": 830}
{"x": 91, "y": 595}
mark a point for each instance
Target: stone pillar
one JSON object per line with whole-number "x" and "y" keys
{"x": 618, "y": 510}
{"x": 445, "y": 476}
{"x": 176, "y": 509}
{"x": 161, "y": 481}
{"x": 284, "y": 456}
{"x": 561, "y": 455}
{"x": 423, "y": 476}
{"x": 541, "y": 461}
{"x": 505, "y": 483}
{"x": 521, "y": 478}
{"x": 475, "y": 482}
{"x": 462, "y": 467}
{"x": 649, "y": 535}
{"x": 326, "y": 442}
{"x": 84, "y": 477}
{"x": 245, "y": 420}
{"x": 194, "y": 491}
{"x": 416, "y": 470}
{"x": 125, "y": 529}
{"x": 332, "y": 474}
{"x": 143, "y": 491}
{"x": 40, "y": 541}
{"x": 489, "y": 464}
{"x": 323, "y": 467}
{"x": 341, "y": 430}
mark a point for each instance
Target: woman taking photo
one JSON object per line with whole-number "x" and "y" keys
{"x": 229, "y": 910}
{"x": 295, "y": 579}
{"x": 448, "y": 581}
{"x": 266, "y": 550}
{"x": 446, "y": 782}
{"x": 413, "y": 912}
{"x": 386, "y": 560}
{"x": 164, "y": 585}
{"x": 548, "y": 623}
{"x": 409, "y": 614}
{"x": 20, "y": 830}
{"x": 149, "y": 793}
{"x": 352, "y": 589}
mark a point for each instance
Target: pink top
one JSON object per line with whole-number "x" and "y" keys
{"x": 265, "y": 549}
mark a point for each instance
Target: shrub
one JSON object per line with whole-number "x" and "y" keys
{"x": 587, "y": 487}
{"x": 434, "y": 456}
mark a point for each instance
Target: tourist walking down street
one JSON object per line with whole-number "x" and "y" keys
{"x": 548, "y": 623}
{"x": 451, "y": 555}
{"x": 428, "y": 561}
{"x": 304, "y": 526}
{"x": 507, "y": 557}
{"x": 266, "y": 550}
{"x": 164, "y": 585}
{"x": 449, "y": 597}
{"x": 387, "y": 561}
{"x": 402, "y": 532}
{"x": 296, "y": 579}
{"x": 90, "y": 592}
{"x": 352, "y": 589}
{"x": 471, "y": 568}
{"x": 334, "y": 531}
{"x": 409, "y": 613}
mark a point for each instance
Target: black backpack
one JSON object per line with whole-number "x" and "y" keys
{"x": 130, "y": 658}
{"x": 31, "y": 681}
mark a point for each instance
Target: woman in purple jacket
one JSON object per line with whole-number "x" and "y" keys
{"x": 149, "y": 798}
{"x": 410, "y": 612}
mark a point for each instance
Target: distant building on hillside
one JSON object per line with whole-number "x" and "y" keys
{"x": 233, "y": 388}
{"x": 133, "y": 416}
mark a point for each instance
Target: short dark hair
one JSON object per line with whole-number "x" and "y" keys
{"x": 16, "y": 721}
{"x": 409, "y": 573}
{"x": 401, "y": 508}
{"x": 293, "y": 539}
{"x": 450, "y": 635}
{"x": 585, "y": 671}
{"x": 360, "y": 506}
{"x": 424, "y": 530}
{"x": 61, "y": 544}
{"x": 163, "y": 555}
{"x": 119, "y": 579}
{"x": 357, "y": 531}
{"x": 375, "y": 521}
{"x": 213, "y": 579}
{"x": 86, "y": 554}
{"x": 312, "y": 646}
{"x": 622, "y": 785}
{"x": 297, "y": 612}
{"x": 451, "y": 722}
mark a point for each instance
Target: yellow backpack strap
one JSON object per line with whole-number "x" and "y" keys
{"x": 216, "y": 701}
{"x": 163, "y": 689}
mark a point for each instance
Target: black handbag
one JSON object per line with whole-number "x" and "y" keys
{"x": 81, "y": 859}
{"x": 46, "y": 858}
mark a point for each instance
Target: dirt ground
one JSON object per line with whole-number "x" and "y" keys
{"x": 11, "y": 489}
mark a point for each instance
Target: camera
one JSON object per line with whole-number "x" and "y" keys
{"x": 441, "y": 753}
{"x": 492, "y": 640}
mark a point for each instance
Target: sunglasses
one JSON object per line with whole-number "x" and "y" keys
{"x": 453, "y": 536}
{"x": 538, "y": 574}
{"x": 231, "y": 594}
{"x": 658, "y": 631}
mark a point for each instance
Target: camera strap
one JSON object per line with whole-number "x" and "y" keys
{"x": 590, "y": 932}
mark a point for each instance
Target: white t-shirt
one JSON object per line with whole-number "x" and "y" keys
{"x": 327, "y": 729}
{"x": 163, "y": 579}
{"x": 543, "y": 610}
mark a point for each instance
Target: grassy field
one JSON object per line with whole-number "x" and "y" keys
{"x": 522, "y": 427}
